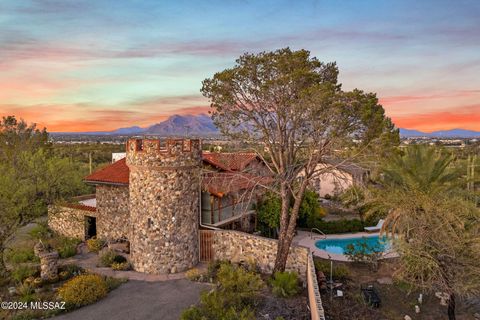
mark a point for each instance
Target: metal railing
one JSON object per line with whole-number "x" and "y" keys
{"x": 318, "y": 231}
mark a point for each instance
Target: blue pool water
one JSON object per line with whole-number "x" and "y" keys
{"x": 339, "y": 246}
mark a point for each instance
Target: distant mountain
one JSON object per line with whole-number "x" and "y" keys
{"x": 128, "y": 131}
{"x": 202, "y": 125}
{"x": 454, "y": 133}
{"x": 184, "y": 125}
{"x": 176, "y": 125}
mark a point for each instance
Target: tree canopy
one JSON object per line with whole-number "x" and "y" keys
{"x": 291, "y": 108}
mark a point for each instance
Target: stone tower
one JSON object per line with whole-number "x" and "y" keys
{"x": 164, "y": 204}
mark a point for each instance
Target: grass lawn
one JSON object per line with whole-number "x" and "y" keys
{"x": 397, "y": 300}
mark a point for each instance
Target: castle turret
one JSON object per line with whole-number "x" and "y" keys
{"x": 164, "y": 204}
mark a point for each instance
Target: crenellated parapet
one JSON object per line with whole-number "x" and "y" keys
{"x": 164, "y": 152}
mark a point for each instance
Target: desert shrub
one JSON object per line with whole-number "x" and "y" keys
{"x": 114, "y": 283}
{"x": 107, "y": 257}
{"x": 95, "y": 245}
{"x": 83, "y": 290}
{"x": 193, "y": 274}
{"x": 121, "y": 266}
{"x": 71, "y": 270}
{"x": 285, "y": 284}
{"x": 119, "y": 259}
{"x": 339, "y": 272}
{"x": 21, "y": 255}
{"x": 213, "y": 268}
{"x": 21, "y": 272}
{"x": 233, "y": 298}
{"x": 243, "y": 286}
{"x": 40, "y": 232}
{"x": 66, "y": 247}
{"x": 213, "y": 306}
{"x": 26, "y": 292}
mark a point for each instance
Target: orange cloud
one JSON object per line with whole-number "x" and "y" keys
{"x": 466, "y": 117}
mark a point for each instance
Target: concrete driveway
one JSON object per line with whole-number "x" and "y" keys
{"x": 138, "y": 300}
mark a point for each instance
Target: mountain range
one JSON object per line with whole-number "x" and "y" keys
{"x": 453, "y": 133}
{"x": 202, "y": 125}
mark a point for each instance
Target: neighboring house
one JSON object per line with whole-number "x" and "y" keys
{"x": 339, "y": 175}
{"x": 158, "y": 197}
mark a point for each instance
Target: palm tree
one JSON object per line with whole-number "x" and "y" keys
{"x": 437, "y": 230}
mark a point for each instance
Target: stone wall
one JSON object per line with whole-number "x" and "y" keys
{"x": 238, "y": 246}
{"x": 164, "y": 204}
{"x": 113, "y": 216}
{"x": 69, "y": 221}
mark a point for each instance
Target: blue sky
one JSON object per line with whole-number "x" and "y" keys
{"x": 99, "y": 65}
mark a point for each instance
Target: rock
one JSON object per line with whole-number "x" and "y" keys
{"x": 385, "y": 280}
{"x": 12, "y": 291}
{"x": 407, "y": 317}
{"x": 417, "y": 309}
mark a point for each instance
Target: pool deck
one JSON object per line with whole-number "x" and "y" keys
{"x": 303, "y": 239}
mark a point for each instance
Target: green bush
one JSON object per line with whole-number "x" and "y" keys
{"x": 233, "y": 298}
{"x": 338, "y": 226}
{"x": 121, "y": 266}
{"x": 285, "y": 284}
{"x": 95, "y": 245}
{"x": 107, "y": 257}
{"x": 71, "y": 270}
{"x": 21, "y": 272}
{"x": 193, "y": 274}
{"x": 213, "y": 268}
{"x": 83, "y": 290}
{"x": 26, "y": 292}
{"x": 243, "y": 286}
{"x": 21, "y": 255}
{"x": 339, "y": 272}
{"x": 119, "y": 259}
{"x": 40, "y": 232}
{"x": 66, "y": 247}
{"x": 213, "y": 306}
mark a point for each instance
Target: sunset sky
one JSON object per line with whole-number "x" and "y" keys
{"x": 100, "y": 65}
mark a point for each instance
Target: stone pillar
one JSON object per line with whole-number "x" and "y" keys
{"x": 164, "y": 196}
{"x": 48, "y": 261}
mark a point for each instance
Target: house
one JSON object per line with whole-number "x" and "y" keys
{"x": 159, "y": 195}
{"x": 338, "y": 176}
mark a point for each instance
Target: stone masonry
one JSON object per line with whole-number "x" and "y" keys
{"x": 48, "y": 262}
{"x": 113, "y": 216}
{"x": 164, "y": 204}
{"x": 69, "y": 221}
{"x": 238, "y": 246}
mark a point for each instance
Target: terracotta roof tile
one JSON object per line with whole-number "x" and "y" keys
{"x": 229, "y": 161}
{"x": 217, "y": 183}
{"x": 222, "y": 183}
{"x": 79, "y": 206}
{"x": 116, "y": 173}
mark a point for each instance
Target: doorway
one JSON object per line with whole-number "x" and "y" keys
{"x": 90, "y": 227}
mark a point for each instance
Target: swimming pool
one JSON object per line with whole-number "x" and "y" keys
{"x": 339, "y": 246}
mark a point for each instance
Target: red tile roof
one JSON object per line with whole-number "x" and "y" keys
{"x": 79, "y": 206}
{"x": 221, "y": 183}
{"x": 116, "y": 173}
{"x": 216, "y": 182}
{"x": 229, "y": 161}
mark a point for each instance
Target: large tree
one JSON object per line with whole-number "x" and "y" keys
{"x": 437, "y": 227}
{"x": 31, "y": 177}
{"x": 291, "y": 108}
